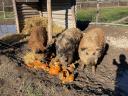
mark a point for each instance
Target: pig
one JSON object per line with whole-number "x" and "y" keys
{"x": 91, "y": 47}
{"x": 67, "y": 44}
{"x": 38, "y": 39}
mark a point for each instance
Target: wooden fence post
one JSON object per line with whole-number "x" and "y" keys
{"x": 4, "y": 10}
{"x": 49, "y": 10}
{"x": 16, "y": 16}
{"x": 118, "y": 3}
{"x": 97, "y": 13}
{"x": 73, "y": 14}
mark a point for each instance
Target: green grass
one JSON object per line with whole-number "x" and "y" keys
{"x": 85, "y": 15}
{"x": 7, "y": 14}
{"x": 106, "y": 14}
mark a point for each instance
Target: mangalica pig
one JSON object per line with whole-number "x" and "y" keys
{"x": 91, "y": 47}
{"x": 67, "y": 45}
{"x": 38, "y": 39}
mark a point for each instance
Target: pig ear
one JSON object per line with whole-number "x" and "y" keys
{"x": 83, "y": 49}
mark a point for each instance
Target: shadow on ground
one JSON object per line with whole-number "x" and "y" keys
{"x": 121, "y": 84}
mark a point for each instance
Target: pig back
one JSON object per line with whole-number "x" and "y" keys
{"x": 67, "y": 43}
{"x": 93, "y": 38}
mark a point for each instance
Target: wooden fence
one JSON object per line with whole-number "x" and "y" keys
{"x": 84, "y": 5}
{"x": 5, "y": 10}
{"x": 7, "y": 23}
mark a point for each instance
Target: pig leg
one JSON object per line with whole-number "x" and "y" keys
{"x": 93, "y": 69}
{"x": 63, "y": 61}
{"x": 69, "y": 61}
{"x": 82, "y": 65}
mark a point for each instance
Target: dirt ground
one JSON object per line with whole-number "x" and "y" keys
{"x": 111, "y": 74}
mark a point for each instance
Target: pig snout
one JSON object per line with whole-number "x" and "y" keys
{"x": 92, "y": 60}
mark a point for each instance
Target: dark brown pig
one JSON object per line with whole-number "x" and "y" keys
{"x": 67, "y": 45}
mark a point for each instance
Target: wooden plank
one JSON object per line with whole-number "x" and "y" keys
{"x": 57, "y": 7}
{"x": 35, "y": 13}
{"x": 62, "y": 21}
{"x": 64, "y": 24}
{"x": 60, "y": 1}
{"x": 62, "y": 17}
{"x": 26, "y": 5}
{"x": 26, "y": 8}
{"x": 23, "y": 18}
{"x": 16, "y": 16}
{"x": 29, "y": 11}
{"x": 49, "y": 9}
{"x": 27, "y": 0}
{"x": 59, "y": 14}
{"x": 26, "y": 16}
{"x": 64, "y": 11}
{"x": 61, "y": 4}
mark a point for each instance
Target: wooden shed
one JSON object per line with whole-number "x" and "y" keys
{"x": 62, "y": 12}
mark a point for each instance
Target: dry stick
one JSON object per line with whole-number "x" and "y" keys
{"x": 17, "y": 59}
{"x": 13, "y": 45}
{"x": 5, "y": 50}
{"x": 6, "y": 44}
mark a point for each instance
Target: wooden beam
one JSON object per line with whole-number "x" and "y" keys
{"x": 49, "y": 10}
{"x": 73, "y": 14}
{"x": 16, "y": 16}
{"x": 98, "y": 9}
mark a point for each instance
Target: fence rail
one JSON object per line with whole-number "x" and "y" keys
{"x": 113, "y": 24}
{"x": 87, "y": 4}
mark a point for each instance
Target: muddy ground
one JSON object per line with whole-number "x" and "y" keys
{"x": 111, "y": 74}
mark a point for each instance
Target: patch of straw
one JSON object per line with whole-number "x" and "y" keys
{"x": 39, "y": 21}
{"x": 29, "y": 57}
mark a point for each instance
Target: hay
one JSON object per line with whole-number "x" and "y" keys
{"x": 39, "y": 21}
{"x": 57, "y": 29}
{"x": 29, "y": 57}
{"x": 34, "y": 21}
